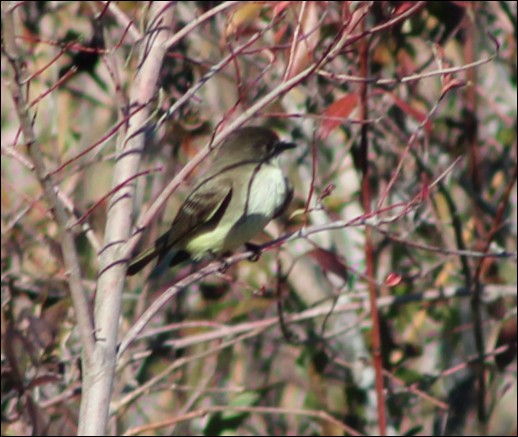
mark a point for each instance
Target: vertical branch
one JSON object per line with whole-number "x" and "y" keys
{"x": 70, "y": 256}
{"x": 369, "y": 250}
{"x": 98, "y": 378}
{"x": 471, "y": 123}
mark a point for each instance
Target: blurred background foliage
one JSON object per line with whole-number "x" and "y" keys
{"x": 216, "y": 358}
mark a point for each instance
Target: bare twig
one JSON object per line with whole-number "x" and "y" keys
{"x": 79, "y": 297}
{"x": 317, "y": 414}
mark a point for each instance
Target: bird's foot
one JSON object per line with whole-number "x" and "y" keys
{"x": 256, "y": 249}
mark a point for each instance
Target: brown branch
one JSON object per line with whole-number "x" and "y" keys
{"x": 71, "y": 259}
{"x": 317, "y": 414}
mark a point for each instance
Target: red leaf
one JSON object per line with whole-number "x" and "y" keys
{"x": 452, "y": 84}
{"x": 330, "y": 261}
{"x": 337, "y": 111}
{"x": 402, "y": 8}
{"x": 279, "y": 7}
{"x": 425, "y": 192}
{"x": 412, "y": 112}
{"x": 393, "y": 279}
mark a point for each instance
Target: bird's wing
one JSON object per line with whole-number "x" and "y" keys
{"x": 203, "y": 207}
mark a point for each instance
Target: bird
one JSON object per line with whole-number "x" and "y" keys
{"x": 241, "y": 192}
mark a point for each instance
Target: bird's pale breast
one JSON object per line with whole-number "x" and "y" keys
{"x": 255, "y": 205}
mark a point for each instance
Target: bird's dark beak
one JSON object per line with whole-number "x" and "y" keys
{"x": 284, "y": 145}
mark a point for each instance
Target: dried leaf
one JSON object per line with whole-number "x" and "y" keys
{"x": 335, "y": 114}
{"x": 244, "y": 14}
{"x": 330, "y": 261}
{"x": 307, "y": 40}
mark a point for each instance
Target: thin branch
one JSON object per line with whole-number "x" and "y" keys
{"x": 370, "y": 220}
{"x": 364, "y": 166}
{"x": 490, "y": 293}
{"x": 71, "y": 259}
{"x": 197, "y": 21}
{"x": 317, "y": 414}
{"x": 413, "y": 77}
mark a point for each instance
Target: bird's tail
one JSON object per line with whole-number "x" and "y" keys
{"x": 167, "y": 257}
{"x": 141, "y": 260}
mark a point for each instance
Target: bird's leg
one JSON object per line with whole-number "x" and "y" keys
{"x": 222, "y": 259}
{"x": 224, "y": 265}
{"x": 256, "y": 249}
